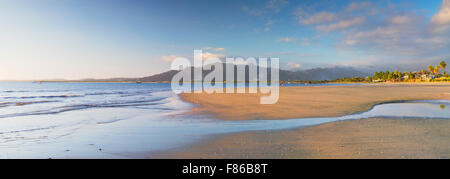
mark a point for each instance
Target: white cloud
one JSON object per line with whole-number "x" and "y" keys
{"x": 271, "y": 6}
{"x": 357, "y": 6}
{"x": 302, "y": 41}
{"x": 267, "y": 25}
{"x": 341, "y": 24}
{"x": 396, "y": 33}
{"x": 317, "y": 18}
{"x": 287, "y": 39}
{"x": 169, "y": 58}
{"x": 214, "y": 49}
{"x": 219, "y": 49}
{"x": 443, "y": 16}
{"x": 406, "y": 37}
{"x": 276, "y": 5}
{"x": 402, "y": 19}
{"x": 350, "y": 42}
{"x": 293, "y": 65}
{"x": 383, "y": 36}
{"x": 441, "y": 20}
{"x": 253, "y": 12}
{"x": 433, "y": 40}
{"x": 207, "y": 55}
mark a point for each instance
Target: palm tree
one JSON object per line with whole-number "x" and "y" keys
{"x": 431, "y": 69}
{"x": 396, "y": 75}
{"x": 436, "y": 70}
{"x": 443, "y": 65}
{"x": 422, "y": 71}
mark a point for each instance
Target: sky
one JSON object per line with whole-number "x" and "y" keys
{"x": 77, "y": 39}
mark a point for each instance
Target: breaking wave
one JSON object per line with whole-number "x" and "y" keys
{"x": 26, "y": 102}
{"x": 66, "y": 108}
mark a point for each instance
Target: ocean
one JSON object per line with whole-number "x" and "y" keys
{"x": 128, "y": 120}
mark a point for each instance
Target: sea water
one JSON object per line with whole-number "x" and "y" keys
{"x": 128, "y": 120}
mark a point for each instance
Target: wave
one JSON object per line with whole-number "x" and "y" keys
{"x": 29, "y": 130}
{"x": 27, "y": 91}
{"x": 111, "y": 121}
{"x": 121, "y": 93}
{"x": 47, "y": 97}
{"x": 75, "y": 107}
{"x": 6, "y": 104}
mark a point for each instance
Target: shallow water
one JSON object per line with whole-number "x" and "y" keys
{"x": 125, "y": 120}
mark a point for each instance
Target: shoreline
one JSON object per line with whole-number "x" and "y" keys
{"x": 312, "y": 101}
{"x": 288, "y": 82}
{"x": 372, "y": 138}
{"x": 356, "y": 138}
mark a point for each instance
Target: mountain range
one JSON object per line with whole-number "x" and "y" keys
{"x": 315, "y": 74}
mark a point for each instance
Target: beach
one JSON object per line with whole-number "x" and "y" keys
{"x": 361, "y": 138}
{"x": 313, "y": 101}
{"x": 368, "y": 138}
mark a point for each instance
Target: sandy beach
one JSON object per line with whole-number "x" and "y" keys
{"x": 363, "y": 138}
{"x": 368, "y": 138}
{"x": 313, "y": 101}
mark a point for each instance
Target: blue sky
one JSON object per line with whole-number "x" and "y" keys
{"x": 74, "y": 39}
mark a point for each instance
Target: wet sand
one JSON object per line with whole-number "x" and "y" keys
{"x": 364, "y": 138}
{"x": 313, "y": 101}
{"x": 367, "y": 138}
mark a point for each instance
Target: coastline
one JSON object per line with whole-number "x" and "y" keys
{"x": 360, "y": 138}
{"x": 374, "y": 138}
{"x": 313, "y": 101}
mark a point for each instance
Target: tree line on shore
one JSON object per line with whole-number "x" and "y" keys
{"x": 432, "y": 73}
